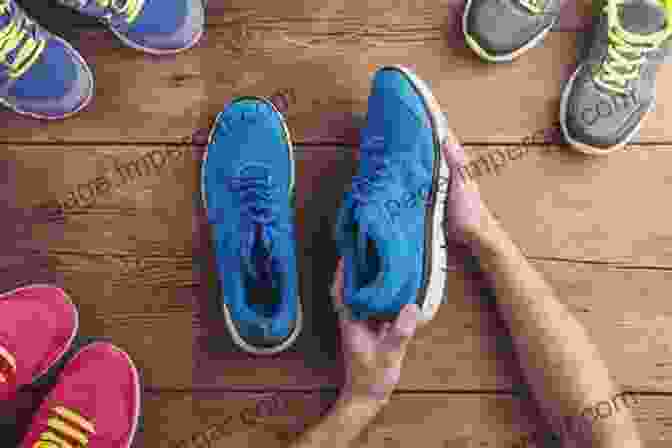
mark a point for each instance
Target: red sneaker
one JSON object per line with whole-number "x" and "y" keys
{"x": 95, "y": 404}
{"x": 37, "y": 326}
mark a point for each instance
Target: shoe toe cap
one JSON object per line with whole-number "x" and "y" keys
{"x": 597, "y": 120}
{"x": 57, "y": 85}
{"x": 101, "y": 384}
{"x": 497, "y": 31}
{"x": 160, "y": 29}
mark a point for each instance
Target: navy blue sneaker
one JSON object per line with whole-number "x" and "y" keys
{"x": 389, "y": 229}
{"x": 153, "y": 26}
{"x": 41, "y": 75}
{"x": 248, "y": 188}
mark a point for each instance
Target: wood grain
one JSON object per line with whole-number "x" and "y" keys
{"x": 341, "y": 16}
{"x": 183, "y": 419}
{"x": 188, "y": 90}
{"x": 138, "y": 262}
{"x": 136, "y": 255}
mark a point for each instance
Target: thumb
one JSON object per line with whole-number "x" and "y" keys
{"x": 404, "y": 327}
{"x": 454, "y": 151}
{"x": 337, "y": 285}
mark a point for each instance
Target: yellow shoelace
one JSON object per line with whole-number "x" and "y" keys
{"x": 7, "y": 367}
{"x": 626, "y": 49}
{"x": 67, "y": 429}
{"x": 535, "y": 6}
{"x": 131, "y": 8}
{"x": 11, "y": 36}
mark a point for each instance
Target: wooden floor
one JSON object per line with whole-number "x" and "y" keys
{"x": 138, "y": 262}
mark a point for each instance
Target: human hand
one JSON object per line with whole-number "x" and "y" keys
{"x": 467, "y": 217}
{"x": 373, "y": 357}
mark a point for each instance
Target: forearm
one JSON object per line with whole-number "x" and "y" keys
{"x": 343, "y": 424}
{"x": 561, "y": 364}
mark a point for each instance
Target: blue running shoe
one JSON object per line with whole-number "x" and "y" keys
{"x": 389, "y": 229}
{"x": 247, "y": 184}
{"x": 41, "y": 75}
{"x": 153, "y": 26}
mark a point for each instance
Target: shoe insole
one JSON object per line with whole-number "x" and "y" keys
{"x": 367, "y": 261}
{"x": 264, "y": 294}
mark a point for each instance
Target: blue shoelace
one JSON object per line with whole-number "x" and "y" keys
{"x": 365, "y": 189}
{"x": 261, "y": 211}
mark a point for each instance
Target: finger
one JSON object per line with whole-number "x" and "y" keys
{"x": 344, "y": 317}
{"x": 453, "y": 150}
{"x": 384, "y": 330}
{"x": 337, "y": 285}
{"x": 457, "y": 160}
{"x": 456, "y": 256}
{"x": 403, "y": 329}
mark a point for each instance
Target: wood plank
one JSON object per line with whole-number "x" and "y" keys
{"x": 143, "y": 99}
{"x": 345, "y": 16}
{"x": 558, "y": 204}
{"x": 139, "y": 264}
{"x": 595, "y": 211}
{"x": 353, "y": 18}
{"x": 121, "y": 280}
{"x": 467, "y": 346}
{"x": 223, "y": 419}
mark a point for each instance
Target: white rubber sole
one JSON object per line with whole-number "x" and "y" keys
{"x": 436, "y": 277}
{"x": 237, "y": 339}
{"x": 583, "y": 147}
{"x": 471, "y": 42}
{"x": 71, "y": 339}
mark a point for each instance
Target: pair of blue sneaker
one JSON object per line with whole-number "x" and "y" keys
{"x": 389, "y": 229}
{"x": 43, "y": 76}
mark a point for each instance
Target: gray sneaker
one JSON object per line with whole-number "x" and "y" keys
{"x": 41, "y": 75}
{"x": 604, "y": 102}
{"x": 502, "y": 30}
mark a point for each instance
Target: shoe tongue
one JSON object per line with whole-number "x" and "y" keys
{"x": 369, "y": 256}
{"x": 259, "y": 260}
{"x": 261, "y": 256}
{"x": 642, "y": 16}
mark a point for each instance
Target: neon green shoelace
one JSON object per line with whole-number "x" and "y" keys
{"x": 11, "y": 37}
{"x": 131, "y": 8}
{"x": 626, "y": 49}
{"x": 534, "y": 6}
